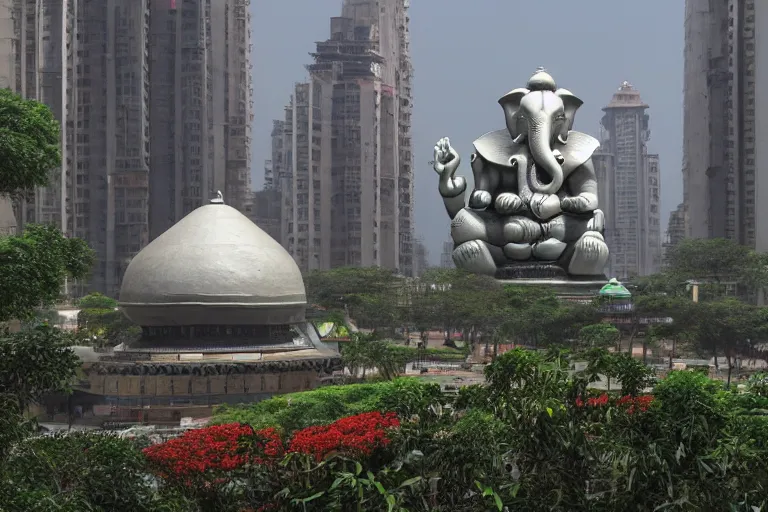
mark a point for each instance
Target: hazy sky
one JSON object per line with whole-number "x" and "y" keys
{"x": 467, "y": 54}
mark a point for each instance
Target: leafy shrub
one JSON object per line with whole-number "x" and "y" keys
{"x": 325, "y": 405}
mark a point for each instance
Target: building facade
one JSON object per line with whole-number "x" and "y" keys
{"x": 346, "y": 164}
{"x": 201, "y": 107}
{"x": 420, "y": 258}
{"x": 629, "y": 178}
{"x": 725, "y": 121}
{"x": 91, "y": 61}
{"x": 675, "y": 231}
{"x": 446, "y": 256}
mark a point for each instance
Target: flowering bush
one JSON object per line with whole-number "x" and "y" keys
{"x": 199, "y": 451}
{"x": 637, "y": 403}
{"x": 356, "y": 435}
{"x": 593, "y": 401}
{"x": 631, "y": 403}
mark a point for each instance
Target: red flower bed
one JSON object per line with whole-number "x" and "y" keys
{"x": 223, "y": 448}
{"x": 635, "y": 404}
{"x": 356, "y": 435}
{"x": 593, "y": 401}
{"x": 632, "y": 404}
{"x": 215, "y": 448}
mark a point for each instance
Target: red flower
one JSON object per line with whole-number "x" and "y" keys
{"x": 634, "y": 404}
{"x": 356, "y": 435}
{"x": 215, "y": 448}
{"x": 593, "y": 401}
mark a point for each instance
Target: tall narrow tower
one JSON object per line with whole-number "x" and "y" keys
{"x": 633, "y": 233}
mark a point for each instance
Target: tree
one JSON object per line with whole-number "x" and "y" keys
{"x": 36, "y": 362}
{"x": 33, "y": 267}
{"x": 728, "y": 326}
{"x": 715, "y": 262}
{"x": 371, "y": 295}
{"x": 633, "y": 375}
{"x": 599, "y": 336}
{"x": 101, "y": 321}
{"x": 29, "y": 143}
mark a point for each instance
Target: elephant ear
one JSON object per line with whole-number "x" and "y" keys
{"x": 510, "y": 102}
{"x": 571, "y": 103}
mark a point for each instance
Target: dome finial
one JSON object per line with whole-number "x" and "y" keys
{"x": 219, "y": 199}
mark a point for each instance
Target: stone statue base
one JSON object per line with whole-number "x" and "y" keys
{"x": 547, "y": 270}
{"x": 551, "y": 276}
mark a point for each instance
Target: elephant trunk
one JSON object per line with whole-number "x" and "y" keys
{"x": 539, "y": 136}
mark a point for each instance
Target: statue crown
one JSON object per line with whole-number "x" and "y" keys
{"x": 541, "y": 81}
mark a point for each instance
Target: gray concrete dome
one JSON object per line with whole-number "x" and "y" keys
{"x": 213, "y": 267}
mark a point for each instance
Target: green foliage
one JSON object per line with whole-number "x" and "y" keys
{"x": 13, "y": 426}
{"x": 325, "y": 405}
{"x": 96, "y": 300}
{"x": 371, "y": 295}
{"x": 29, "y": 143}
{"x": 77, "y": 472}
{"x": 33, "y": 267}
{"x": 106, "y": 327}
{"x": 380, "y": 355}
{"x": 599, "y": 336}
{"x": 634, "y": 375}
{"x": 36, "y": 362}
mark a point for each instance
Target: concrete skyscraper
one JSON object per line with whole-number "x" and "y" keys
{"x": 346, "y": 170}
{"x": 91, "y": 61}
{"x": 629, "y": 178}
{"x": 87, "y": 60}
{"x": 725, "y": 124}
{"x": 200, "y": 107}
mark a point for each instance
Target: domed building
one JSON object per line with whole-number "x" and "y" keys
{"x": 221, "y": 307}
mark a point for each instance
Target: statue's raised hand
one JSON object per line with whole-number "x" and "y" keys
{"x": 446, "y": 162}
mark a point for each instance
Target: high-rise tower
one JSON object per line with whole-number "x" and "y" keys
{"x": 630, "y": 195}
{"x": 725, "y": 128}
{"x": 200, "y": 107}
{"x": 346, "y": 172}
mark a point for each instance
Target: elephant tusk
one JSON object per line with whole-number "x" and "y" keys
{"x": 519, "y": 139}
{"x": 562, "y": 140}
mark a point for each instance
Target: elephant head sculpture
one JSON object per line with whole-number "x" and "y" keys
{"x": 541, "y": 114}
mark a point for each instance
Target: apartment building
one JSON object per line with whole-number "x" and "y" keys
{"x": 420, "y": 258}
{"x": 629, "y": 180}
{"x": 675, "y": 231}
{"x": 346, "y": 168}
{"x": 200, "y": 107}
{"x": 725, "y": 125}
{"x": 91, "y": 61}
{"x": 446, "y": 256}
{"x": 265, "y": 208}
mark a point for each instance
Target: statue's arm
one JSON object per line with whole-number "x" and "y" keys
{"x": 452, "y": 189}
{"x": 582, "y": 185}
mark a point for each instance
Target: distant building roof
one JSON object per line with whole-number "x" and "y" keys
{"x": 626, "y": 97}
{"x": 615, "y": 289}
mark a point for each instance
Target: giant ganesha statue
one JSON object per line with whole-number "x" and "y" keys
{"x": 533, "y": 213}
